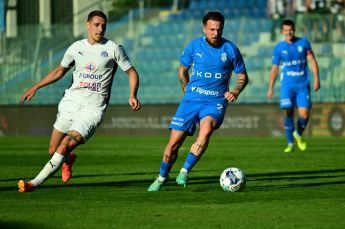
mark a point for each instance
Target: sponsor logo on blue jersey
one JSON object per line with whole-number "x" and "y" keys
{"x": 216, "y": 75}
{"x": 205, "y": 92}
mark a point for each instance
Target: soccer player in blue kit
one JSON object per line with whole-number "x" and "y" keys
{"x": 206, "y": 95}
{"x": 293, "y": 55}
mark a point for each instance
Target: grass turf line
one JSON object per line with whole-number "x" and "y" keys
{"x": 111, "y": 176}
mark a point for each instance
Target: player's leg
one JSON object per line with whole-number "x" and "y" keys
{"x": 289, "y": 129}
{"x": 68, "y": 110}
{"x": 68, "y": 143}
{"x": 207, "y": 126}
{"x": 303, "y": 118}
{"x": 70, "y": 157}
{"x": 288, "y": 103}
{"x": 183, "y": 124}
{"x": 55, "y": 141}
{"x": 170, "y": 154}
{"x": 301, "y": 125}
{"x": 304, "y": 105}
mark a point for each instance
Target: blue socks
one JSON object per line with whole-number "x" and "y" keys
{"x": 301, "y": 125}
{"x": 289, "y": 129}
{"x": 165, "y": 169}
{"x": 191, "y": 160}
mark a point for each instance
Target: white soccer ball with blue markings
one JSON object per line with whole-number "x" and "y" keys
{"x": 232, "y": 180}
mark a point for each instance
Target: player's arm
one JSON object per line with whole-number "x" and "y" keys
{"x": 241, "y": 83}
{"x": 272, "y": 80}
{"x": 133, "y": 78}
{"x": 315, "y": 69}
{"x": 50, "y": 78}
{"x": 183, "y": 75}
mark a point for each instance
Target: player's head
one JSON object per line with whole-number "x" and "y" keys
{"x": 96, "y": 25}
{"x": 288, "y": 29}
{"x": 213, "y": 24}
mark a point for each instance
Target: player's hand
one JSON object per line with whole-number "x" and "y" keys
{"x": 134, "y": 103}
{"x": 231, "y": 96}
{"x": 270, "y": 94}
{"x": 28, "y": 95}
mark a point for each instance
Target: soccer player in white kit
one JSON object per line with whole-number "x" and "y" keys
{"x": 81, "y": 110}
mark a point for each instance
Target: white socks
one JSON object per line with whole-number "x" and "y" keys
{"x": 183, "y": 170}
{"x": 49, "y": 169}
{"x": 161, "y": 179}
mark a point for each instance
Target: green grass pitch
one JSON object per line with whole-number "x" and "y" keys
{"x": 112, "y": 174}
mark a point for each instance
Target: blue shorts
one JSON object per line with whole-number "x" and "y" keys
{"x": 295, "y": 96}
{"x": 189, "y": 114}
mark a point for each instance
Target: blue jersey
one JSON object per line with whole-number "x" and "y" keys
{"x": 211, "y": 69}
{"x": 293, "y": 60}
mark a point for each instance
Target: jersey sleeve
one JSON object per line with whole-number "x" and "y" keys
{"x": 308, "y": 47}
{"x": 68, "y": 59}
{"x": 186, "y": 57}
{"x": 239, "y": 65}
{"x": 276, "y": 56}
{"x": 122, "y": 59}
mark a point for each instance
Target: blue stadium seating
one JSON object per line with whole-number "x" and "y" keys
{"x": 155, "y": 52}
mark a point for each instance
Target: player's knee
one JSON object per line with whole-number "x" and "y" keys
{"x": 75, "y": 136}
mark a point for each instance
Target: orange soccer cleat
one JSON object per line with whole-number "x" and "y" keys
{"x": 25, "y": 186}
{"x": 66, "y": 170}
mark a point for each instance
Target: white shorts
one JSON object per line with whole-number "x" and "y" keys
{"x": 79, "y": 117}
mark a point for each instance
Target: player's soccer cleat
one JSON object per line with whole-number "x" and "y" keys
{"x": 182, "y": 179}
{"x": 66, "y": 169}
{"x": 156, "y": 185}
{"x": 302, "y": 145}
{"x": 289, "y": 148}
{"x": 25, "y": 186}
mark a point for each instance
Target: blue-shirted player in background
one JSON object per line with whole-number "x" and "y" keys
{"x": 213, "y": 59}
{"x": 293, "y": 55}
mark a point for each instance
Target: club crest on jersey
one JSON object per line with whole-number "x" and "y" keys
{"x": 300, "y": 48}
{"x": 90, "y": 67}
{"x": 104, "y": 54}
{"x": 223, "y": 57}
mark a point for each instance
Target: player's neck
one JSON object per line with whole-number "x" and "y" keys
{"x": 93, "y": 42}
{"x": 290, "y": 41}
{"x": 214, "y": 45}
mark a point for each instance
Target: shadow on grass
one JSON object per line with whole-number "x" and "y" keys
{"x": 292, "y": 179}
{"x": 15, "y": 224}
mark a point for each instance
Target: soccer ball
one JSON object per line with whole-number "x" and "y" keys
{"x": 232, "y": 180}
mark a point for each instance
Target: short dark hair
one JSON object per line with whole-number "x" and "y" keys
{"x": 213, "y": 15}
{"x": 96, "y": 13}
{"x": 288, "y": 22}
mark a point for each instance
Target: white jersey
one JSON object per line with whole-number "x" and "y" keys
{"x": 95, "y": 66}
